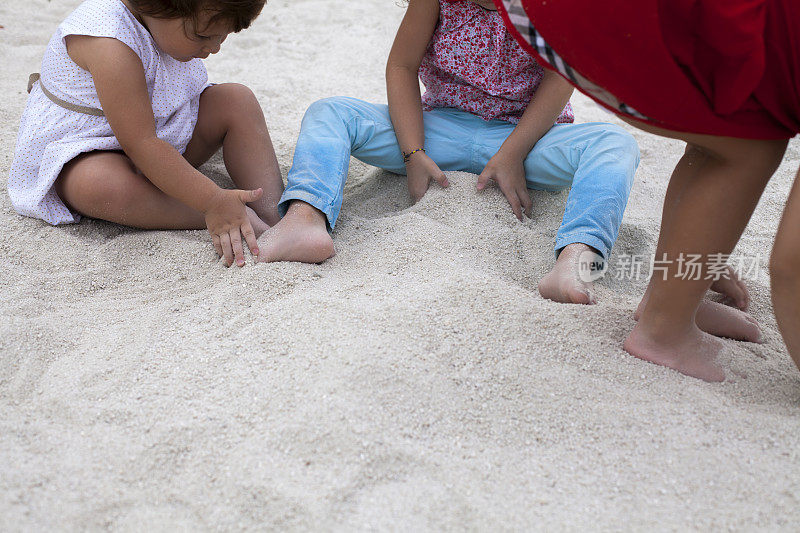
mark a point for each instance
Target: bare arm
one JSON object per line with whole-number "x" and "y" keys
{"x": 402, "y": 70}
{"x": 507, "y": 167}
{"x": 402, "y": 86}
{"x": 547, "y": 104}
{"x": 120, "y": 82}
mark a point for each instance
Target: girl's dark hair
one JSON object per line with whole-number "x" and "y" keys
{"x": 239, "y": 14}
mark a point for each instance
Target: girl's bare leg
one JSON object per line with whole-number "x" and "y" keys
{"x": 730, "y": 286}
{"x": 712, "y": 317}
{"x": 713, "y": 194}
{"x": 785, "y": 274}
{"x": 106, "y": 185}
{"x": 230, "y": 117}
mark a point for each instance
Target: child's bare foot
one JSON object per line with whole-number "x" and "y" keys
{"x": 302, "y": 236}
{"x": 692, "y": 353}
{"x": 724, "y": 321}
{"x": 259, "y": 226}
{"x": 563, "y": 284}
{"x": 734, "y": 289}
{"x": 718, "y": 320}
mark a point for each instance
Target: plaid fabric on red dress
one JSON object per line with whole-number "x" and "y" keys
{"x": 718, "y": 67}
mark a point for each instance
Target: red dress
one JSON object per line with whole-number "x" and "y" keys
{"x": 718, "y": 67}
{"x": 474, "y": 64}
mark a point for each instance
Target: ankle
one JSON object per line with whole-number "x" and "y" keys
{"x": 575, "y": 249}
{"x": 270, "y": 214}
{"x": 307, "y": 212}
{"x": 662, "y": 328}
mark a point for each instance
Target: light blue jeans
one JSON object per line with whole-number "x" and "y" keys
{"x": 598, "y": 160}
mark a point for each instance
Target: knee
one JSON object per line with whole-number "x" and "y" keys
{"x": 327, "y": 108}
{"x": 334, "y": 115}
{"x": 237, "y": 100}
{"x": 617, "y": 148}
{"x": 90, "y": 191}
{"x": 623, "y": 142}
{"x": 236, "y": 93}
{"x": 757, "y": 159}
{"x": 612, "y": 142}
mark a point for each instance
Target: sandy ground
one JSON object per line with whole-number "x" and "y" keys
{"x": 415, "y": 381}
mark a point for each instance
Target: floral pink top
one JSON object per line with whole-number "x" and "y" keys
{"x": 474, "y": 64}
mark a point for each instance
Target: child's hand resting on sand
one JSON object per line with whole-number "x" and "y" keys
{"x": 227, "y": 221}
{"x": 421, "y": 170}
{"x": 509, "y": 174}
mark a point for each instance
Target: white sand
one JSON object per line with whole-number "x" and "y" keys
{"x": 416, "y": 380}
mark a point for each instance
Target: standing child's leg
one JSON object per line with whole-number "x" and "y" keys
{"x": 714, "y": 192}
{"x": 785, "y": 274}
{"x": 714, "y": 318}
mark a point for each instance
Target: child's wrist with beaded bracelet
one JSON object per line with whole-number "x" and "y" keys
{"x": 407, "y": 155}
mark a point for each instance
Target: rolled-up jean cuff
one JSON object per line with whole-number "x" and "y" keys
{"x": 584, "y": 238}
{"x": 312, "y": 200}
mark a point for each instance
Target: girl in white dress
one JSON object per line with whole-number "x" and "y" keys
{"x": 123, "y": 115}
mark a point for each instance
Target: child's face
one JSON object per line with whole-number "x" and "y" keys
{"x": 184, "y": 39}
{"x": 486, "y": 4}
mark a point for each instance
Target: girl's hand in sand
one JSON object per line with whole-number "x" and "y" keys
{"x": 227, "y": 222}
{"x": 509, "y": 174}
{"x": 421, "y": 169}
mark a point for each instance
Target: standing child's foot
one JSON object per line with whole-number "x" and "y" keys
{"x": 563, "y": 284}
{"x": 733, "y": 289}
{"x": 302, "y": 236}
{"x": 718, "y": 320}
{"x": 725, "y": 321}
{"x": 692, "y": 353}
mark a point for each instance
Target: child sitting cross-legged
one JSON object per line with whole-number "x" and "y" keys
{"x": 123, "y": 114}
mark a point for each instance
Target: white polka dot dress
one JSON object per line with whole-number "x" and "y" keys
{"x": 50, "y": 135}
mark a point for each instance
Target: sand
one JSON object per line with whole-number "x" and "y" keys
{"x": 415, "y": 381}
